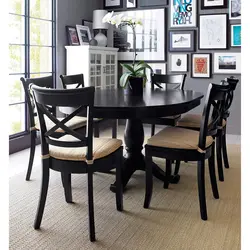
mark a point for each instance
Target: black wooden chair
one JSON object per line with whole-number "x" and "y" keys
{"x": 192, "y": 121}
{"x": 170, "y": 81}
{"x": 173, "y": 143}
{"x": 76, "y": 81}
{"x": 76, "y": 123}
{"x": 74, "y": 152}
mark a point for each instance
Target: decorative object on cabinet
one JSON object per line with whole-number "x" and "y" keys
{"x": 147, "y": 3}
{"x": 181, "y": 41}
{"x": 150, "y": 45}
{"x": 110, "y": 4}
{"x": 183, "y": 13}
{"x": 213, "y": 31}
{"x": 234, "y": 9}
{"x": 83, "y": 34}
{"x": 72, "y": 35}
{"x": 236, "y": 35}
{"x": 98, "y": 15}
{"x": 178, "y": 62}
{"x": 227, "y": 63}
{"x": 214, "y": 4}
{"x": 131, "y": 3}
{"x": 98, "y": 64}
{"x": 201, "y": 65}
{"x": 90, "y": 25}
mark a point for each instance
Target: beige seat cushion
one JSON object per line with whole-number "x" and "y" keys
{"x": 101, "y": 147}
{"x": 172, "y": 117}
{"x": 193, "y": 121}
{"x": 178, "y": 138}
{"x": 74, "y": 123}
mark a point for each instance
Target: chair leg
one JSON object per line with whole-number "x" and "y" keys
{"x": 119, "y": 186}
{"x": 167, "y": 174}
{"x": 224, "y": 150}
{"x": 91, "y": 207}
{"x": 201, "y": 189}
{"x": 43, "y": 194}
{"x": 212, "y": 174}
{"x": 149, "y": 181}
{"x": 32, "y": 153}
{"x": 96, "y": 130}
{"x": 114, "y": 128}
{"x": 219, "y": 158}
{"x": 66, "y": 181}
{"x": 177, "y": 167}
{"x": 152, "y": 129}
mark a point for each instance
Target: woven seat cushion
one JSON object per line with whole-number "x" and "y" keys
{"x": 193, "y": 121}
{"x": 178, "y": 138}
{"x": 74, "y": 123}
{"x": 101, "y": 147}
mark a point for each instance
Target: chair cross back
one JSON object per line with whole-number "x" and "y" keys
{"x": 177, "y": 80}
{"x": 68, "y": 80}
{"x": 215, "y": 98}
{"x": 77, "y": 98}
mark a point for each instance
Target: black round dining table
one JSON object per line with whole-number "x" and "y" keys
{"x": 115, "y": 104}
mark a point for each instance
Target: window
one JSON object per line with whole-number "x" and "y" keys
{"x": 31, "y": 52}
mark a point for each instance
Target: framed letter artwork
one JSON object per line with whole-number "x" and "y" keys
{"x": 213, "y": 31}
{"x": 201, "y": 65}
{"x": 183, "y": 13}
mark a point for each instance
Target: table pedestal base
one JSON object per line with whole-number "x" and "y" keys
{"x": 134, "y": 159}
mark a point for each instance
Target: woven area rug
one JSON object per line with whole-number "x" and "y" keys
{"x": 172, "y": 222}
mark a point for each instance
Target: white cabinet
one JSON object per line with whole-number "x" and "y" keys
{"x": 97, "y": 64}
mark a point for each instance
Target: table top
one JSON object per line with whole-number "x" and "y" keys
{"x": 114, "y": 103}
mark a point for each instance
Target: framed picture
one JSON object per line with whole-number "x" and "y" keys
{"x": 83, "y": 34}
{"x": 213, "y": 4}
{"x": 236, "y": 35}
{"x": 150, "y": 36}
{"x": 227, "y": 63}
{"x": 90, "y": 25}
{"x": 147, "y": 3}
{"x": 183, "y": 13}
{"x": 201, "y": 65}
{"x": 72, "y": 35}
{"x": 234, "y": 9}
{"x": 182, "y": 40}
{"x": 110, "y": 4}
{"x": 131, "y": 4}
{"x": 178, "y": 62}
{"x": 213, "y": 31}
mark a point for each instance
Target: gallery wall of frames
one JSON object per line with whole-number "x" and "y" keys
{"x": 201, "y": 37}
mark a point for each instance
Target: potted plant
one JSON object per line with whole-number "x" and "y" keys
{"x": 134, "y": 79}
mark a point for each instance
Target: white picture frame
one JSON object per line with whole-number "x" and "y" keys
{"x": 234, "y": 9}
{"x": 84, "y": 34}
{"x": 236, "y": 35}
{"x": 178, "y": 63}
{"x": 151, "y": 34}
{"x": 213, "y": 30}
{"x": 183, "y": 14}
{"x": 201, "y": 65}
{"x": 131, "y": 4}
{"x": 227, "y": 63}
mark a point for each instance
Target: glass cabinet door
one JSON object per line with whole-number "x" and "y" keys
{"x": 95, "y": 70}
{"x": 110, "y": 72}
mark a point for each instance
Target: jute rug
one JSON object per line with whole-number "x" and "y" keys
{"x": 172, "y": 222}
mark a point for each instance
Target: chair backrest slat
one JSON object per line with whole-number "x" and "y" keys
{"x": 167, "y": 80}
{"x": 79, "y": 100}
{"x": 72, "y": 80}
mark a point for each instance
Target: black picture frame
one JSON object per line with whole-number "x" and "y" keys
{"x": 224, "y": 5}
{"x": 151, "y": 3}
{"x": 210, "y": 65}
{"x": 226, "y": 36}
{"x": 69, "y": 37}
{"x": 129, "y": 8}
{"x": 182, "y": 49}
{"x": 120, "y": 5}
{"x": 89, "y": 24}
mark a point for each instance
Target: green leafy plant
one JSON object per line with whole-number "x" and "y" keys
{"x": 136, "y": 70}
